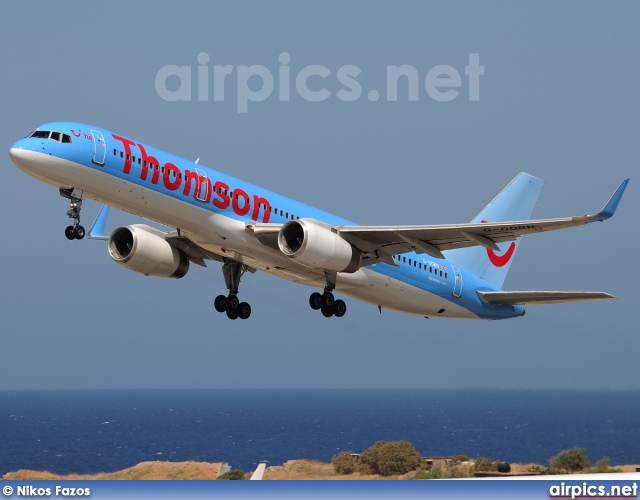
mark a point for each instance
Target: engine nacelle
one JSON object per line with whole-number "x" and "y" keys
{"x": 315, "y": 246}
{"x": 143, "y": 249}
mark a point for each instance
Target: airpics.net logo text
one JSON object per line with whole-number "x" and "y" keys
{"x": 257, "y": 83}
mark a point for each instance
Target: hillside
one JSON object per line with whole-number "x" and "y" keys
{"x": 291, "y": 470}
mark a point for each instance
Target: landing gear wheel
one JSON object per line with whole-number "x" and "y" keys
{"x": 327, "y": 312}
{"x": 339, "y": 308}
{"x": 69, "y": 233}
{"x": 232, "y": 272}
{"x": 315, "y": 301}
{"x": 327, "y": 301}
{"x": 244, "y": 310}
{"x": 220, "y": 303}
{"x": 78, "y": 232}
{"x": 232, "y": 302}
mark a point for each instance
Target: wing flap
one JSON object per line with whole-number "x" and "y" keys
{"x": 511, "y": 298}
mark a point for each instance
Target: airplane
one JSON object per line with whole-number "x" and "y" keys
{"x": 442, "y": 271}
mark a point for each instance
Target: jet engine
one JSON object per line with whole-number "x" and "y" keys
{"x": 145, "y": 250}
{"x": 317, "y": 247}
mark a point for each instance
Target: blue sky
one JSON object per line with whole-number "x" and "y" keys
{"x": 558, "y": 99}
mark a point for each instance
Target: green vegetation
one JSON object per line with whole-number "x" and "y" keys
{"x": 386, "y": 459}
{"x": 485, "y": 465}
{"x": 603, "y": 466}
{"x": 573, "y": 460}
{"x": 344, "y": 463}
{"x": 436, "y": 472}
{"x": 458, "y": 459}
{"x": 545, "y": 471}
{"x": 235, "y": 474}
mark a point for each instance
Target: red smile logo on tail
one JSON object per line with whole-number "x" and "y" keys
{"x": 500, "y": 260}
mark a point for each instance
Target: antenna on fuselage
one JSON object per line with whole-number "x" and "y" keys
{"x": 196, "y": 162}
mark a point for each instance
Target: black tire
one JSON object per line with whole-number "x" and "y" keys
{"x": 232, "y": 302}
{"x": 339, "y": 308}
{"x": 78, "y": 232}
{"x": 327, "y": 300}
{"x": 244, "y": 310}
{"x": 232, "y": 314}
{"x": 327, "y": 312}
{"x": 69, "y": 233}
{"x": 220, "y": 303}
{"x": 315, "y": 301}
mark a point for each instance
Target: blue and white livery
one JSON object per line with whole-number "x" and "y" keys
{"x": 448, "y": 271}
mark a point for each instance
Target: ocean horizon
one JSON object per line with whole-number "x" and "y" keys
{"x": 86, "y": 432}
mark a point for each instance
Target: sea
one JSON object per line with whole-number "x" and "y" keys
{"x": 103, "y": 431}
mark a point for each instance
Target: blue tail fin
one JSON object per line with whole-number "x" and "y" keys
{"x": 514, "y": 203}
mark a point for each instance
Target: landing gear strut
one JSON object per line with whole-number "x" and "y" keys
{"x": 326, "y": 302}
{"x": 235, "y": 309}
{"x": 75, "y": 232}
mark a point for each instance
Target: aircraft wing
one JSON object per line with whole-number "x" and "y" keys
{"x": 381, "y": 243}
{"x": 433, "y": 240}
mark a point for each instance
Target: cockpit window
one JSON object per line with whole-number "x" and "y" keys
{"x": 47, "y": 134}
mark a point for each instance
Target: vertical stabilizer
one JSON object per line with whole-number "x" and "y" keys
{"x": 514, "y": 203}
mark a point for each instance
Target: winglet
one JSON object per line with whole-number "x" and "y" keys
{"x": 611, "y": 206}
{"x": 97, "y": 230}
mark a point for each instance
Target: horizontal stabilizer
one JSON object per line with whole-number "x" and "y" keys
{"x": 508, "y": 298}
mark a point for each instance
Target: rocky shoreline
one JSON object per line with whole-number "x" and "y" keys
{"x": 291, "y": 470}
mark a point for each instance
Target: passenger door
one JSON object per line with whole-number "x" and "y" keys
{"x": 99, "y": 148}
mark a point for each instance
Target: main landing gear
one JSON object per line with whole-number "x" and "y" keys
{"x": 326, "y": 302}
{"x": 235, "y": 309}
{"x": 75, "y": 232}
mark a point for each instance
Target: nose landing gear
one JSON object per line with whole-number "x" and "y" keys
{"x": 75, "y": 232}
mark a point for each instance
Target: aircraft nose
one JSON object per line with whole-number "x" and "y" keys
{"x": 18, "y": 157}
